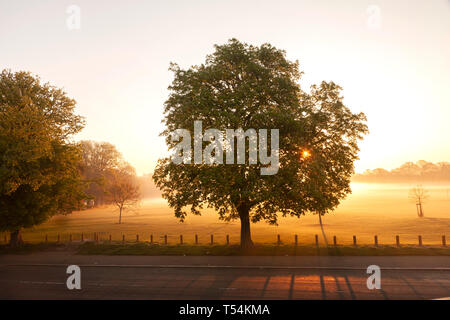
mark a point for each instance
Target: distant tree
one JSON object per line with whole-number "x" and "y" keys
{"x": 419, "y": 195}
{"x": 99, "y": 160}
{"x": 408, "y": 172}
{"x": 122, "y": 189}
{"x": 244, "y": 86}
{"x": 39, "y": 164}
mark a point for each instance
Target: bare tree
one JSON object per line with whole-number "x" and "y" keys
{"x": 123, "y": 190}
{"x": 419, "y": 195}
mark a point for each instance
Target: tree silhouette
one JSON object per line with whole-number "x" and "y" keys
{"x": 419, "y": 195}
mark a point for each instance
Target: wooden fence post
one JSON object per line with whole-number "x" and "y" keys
{"x": 317, "y": 240}
{"x": 397, "y": 240}
{"x": 334, "y": 240}
{"x": 278, "y": 239}
{"x": 376, "y": 241}
{"x": 444, "y": 244}
{"x": 296, "y": 240}
{"x": 123, "y": 239}
{"x": 354, "y": 241}
{"x": 110, "y": 238}
{"x": 70, "y": 237}
{"x": 420, "y": 241}
{"x": 212, "y": 239}
{"x": 82, "y": 237}
{"x": 59, "y": 238}
{"x": 137, "y": 238}
{"x": 228, "y": 240}
{"x": 181, "y": 239}
{"x": 196, "y": 239}
{"x": 46, "y": 238}
{"x": 151, "y": 239}
{"x": 165, "y": 239}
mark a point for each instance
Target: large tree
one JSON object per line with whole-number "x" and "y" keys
{"x": 39, "y": 164}
{"x": 245, "y": 86}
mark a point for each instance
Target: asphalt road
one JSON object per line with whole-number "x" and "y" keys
{"x": 43, "y": 276}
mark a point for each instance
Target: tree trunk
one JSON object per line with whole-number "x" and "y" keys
{"x": 419, "y": 209}
{"x": 323, "y": 231}
{"x": 16, "y": 238}
{"x": 244, "y": 215}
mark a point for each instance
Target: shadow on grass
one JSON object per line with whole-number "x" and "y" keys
{"x": 142, "y": 248}
{"x": 257, "y": 250}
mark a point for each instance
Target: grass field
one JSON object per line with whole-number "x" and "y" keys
{"x": 382, "y": 210}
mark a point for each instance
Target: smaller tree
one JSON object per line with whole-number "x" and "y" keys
{"x": 419, "y": 195}
{"x": 122, "y": 189}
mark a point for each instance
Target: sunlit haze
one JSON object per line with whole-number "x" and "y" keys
{"x": 115, "y": 66}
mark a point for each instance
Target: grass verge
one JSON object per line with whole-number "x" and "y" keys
{"x": 258, "y": 250}
{"x": 142, "y": 249}
{"x": 30, "y": 248}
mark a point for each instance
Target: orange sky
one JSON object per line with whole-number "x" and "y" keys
{"x": 391, "y": 58}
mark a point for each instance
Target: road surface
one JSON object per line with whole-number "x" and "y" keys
{"x": 43, "y": 276}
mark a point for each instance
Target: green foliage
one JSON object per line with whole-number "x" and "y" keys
{"x": 39, "y": 165}
{"x": 243, "y": 86}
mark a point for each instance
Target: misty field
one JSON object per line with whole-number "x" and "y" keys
{"x": 371, "y": 209}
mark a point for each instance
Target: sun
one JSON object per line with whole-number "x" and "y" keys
{"x": 306, "y": 154}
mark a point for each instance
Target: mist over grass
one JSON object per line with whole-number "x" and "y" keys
{"x": 372, "y": 209}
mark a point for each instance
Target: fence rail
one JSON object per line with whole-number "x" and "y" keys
{"x": 104, "y": 237}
